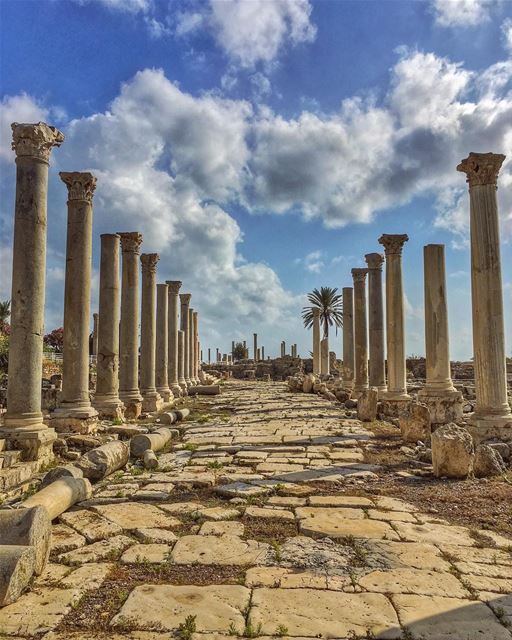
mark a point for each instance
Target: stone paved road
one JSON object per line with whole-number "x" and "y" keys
{"x": 239, "y": 533}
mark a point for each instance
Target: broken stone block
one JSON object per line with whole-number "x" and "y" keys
{"x": 102, "y": 461}
{"x": 60, "y": 495}
{"x": 29, "y": 527}
{"x": 415, "y": 423}
{"x": 17, "y": 564}
{"x": 150, "y": 460}
{"x": 181, "y": 414}
{"x": 154, "y": 441}
{"x": 168, "y": 417}
{"x": 367, "y": 404}
{"x": 63, "y": 471}
{"x": 309, "y": 381}
{"x": 488, "y": 462}
{"x": 452, "y": 451}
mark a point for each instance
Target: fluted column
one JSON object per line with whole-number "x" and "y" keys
{"x": 95, "y": 317}
{"x": 377, "y": 367}
{"x": 23, "y": 423}
{"x": 191, "y": 347}
{"x": 162, "y": 343}
{"x": 348, "y": 337}
{"x": 395, "y": 317}
{"x": 172, "y": 302}
{"x": 129, "y": 333}
{"x": 443, "y": 400}
{"x": 360, "y": 330}
{"x": 181, "y": 362}
{"x": 492, "y": 414}
{"x": 106, "y": 399}
{"x": 151, "y": 398}
{"x": 75, "y": 412}
{"x": 185, "y": 327}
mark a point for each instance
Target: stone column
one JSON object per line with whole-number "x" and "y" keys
{"x": 172, "y": 303}
{"x": 348, "y": 337}
{"x": 217, "y": 354}
{"x": 162, "y": 343}
{"x": 191, "y": 346}
{"x": 95, "y": 317}
{"x": 233, "y": 349}
{"x": 209, "y": 355}
{"x": 395, "y": 319}
{"x": 263, "y": 353}
{"x": 440, "y": 396}
{"x": 258, "y": 355}
{"x": 185, "y": 327}
{"x": 23, "y": 423}
{"x": 360, "y": 330}
{"x": 151, "y": 399}
{"x": 283, "y": 349}
{"x": 106, "y": 400}
{"x": 129, "y": 327}
{"x": 75, "y": 412}
{"x": 255, "y": 347}
{"x": 316, "y": 341}
{"x": 377, "y": 372}
{"x": 492, "y": 416}
{"x": 181, "y": 362}
{"x": 195, "y": 342}
{"x": 325, "y": 364}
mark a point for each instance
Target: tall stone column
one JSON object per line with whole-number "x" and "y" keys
{"x": 255, "y": 347}
{"x": 106, "y": 400}
{"x": 360, "y": 330}
{"x": 172, "y": 303}
{"x": 348, "y": 337}
{"x": 217, "y": 354}
{"x": 377, "y": 372}
{"x": 95, "y": 317}
{"x": 263, "y": 353}
{"x": 151, "y": 399}
{"x": 129, "y": 326}
{"x": 492, "y": 414}
{"x": 195, "y": 334}
{"x": 23, "y": 423}
{"x": 395, "y": 320}
{"x": 191, "y": 346}
{"x": 162, "y": 343}
{"x": 324, "y": 353}
{"x": 440, "y": 396}
{"x": 316, "y": 341}
{"x": 75, "y": 412}
{"x": 283, "y": 349}
{"x": 185, "y": 327}
{"x": 209, "y": 355}
{"x": 181, "y": 362}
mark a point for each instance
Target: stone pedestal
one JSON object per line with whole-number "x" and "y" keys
{"x": 444, "y": 402}
{"x": 75, "y": 412}
{"x": 129, "y": 328}
{"x": 95, "y": 317}
{"x": 23, "y": 423}
{"x": 348, "y": 337}
{"x": 395, "y": 323}
{"x": 185, "y": 327}
{"x": 492, "y": 416}
{"x": 162, "y": 343}
{"x": 181, "y": 363}
{"x": 151, "y": 398}
{"x": 173, "y": 289}
{"x": 377, "y": 368}
{"x": 106, "y": 400}
{"x": 324, "y": 353}
{"x": 360, "y": 331}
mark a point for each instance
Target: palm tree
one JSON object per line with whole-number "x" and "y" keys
{"x": 330, "y": 303}
{"x": 5, "y": 311}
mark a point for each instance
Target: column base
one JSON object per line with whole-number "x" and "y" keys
{"x": 176, "y": 390}
{"x": 393, "y": 404}
{"x": 132, "y": 401}
{"x": 166, "y": 394}
{"x": 74, "y": 419}
{"x": 444, "y": 405}
{"x": 34, "y": 445}
{"x": 484, "y": 428}
{"x": 151, "y": 401}
{"x": 108, "y": 407}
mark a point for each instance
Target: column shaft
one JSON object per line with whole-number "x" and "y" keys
{"x": 191, "y": 346}
{"x": 181, "y": 362}
{"x": 95, "y": 317}
{"x": 255, "y": 346}
{"x": 172, "y": 300}
{"x": 151, "y": 399}
{"x": 325, "y": 364}
{"x": 360, "y": 330}
{"x": 185, "y": 327}
{"x": 377, "y": 367}
{"x": 348, "y": 337}
{"x": 196, "y": 346}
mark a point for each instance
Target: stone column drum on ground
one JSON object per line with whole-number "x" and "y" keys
{"x": 75, "y": 412}
{"x": 129, "y": 327}
{"x": 95, "y": 317}
{"x": 492, "y": 416}
{"x": 316, "y": 341}
{"x": 173, "y": 289}
{"x": 151, "y": 399}
{"x": 191, "y": 348}
{"x": 348, "y": 337}
{"x": 181, "y": 362}
{"x": 395, "y": 322}
{"x": 106, "y": 399}
{"x": 360, "y": 331}
{"x": 185, "y": 327}
{"x": 162, "y": 343}
{"x": 377, "y": 367}
{"x": 442, "y": 399}
{"x": 23, "y": 423}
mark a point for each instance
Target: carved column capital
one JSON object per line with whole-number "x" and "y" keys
{"x": 481, "y": 168}
{"x": 393, "y": 243}
{"x": 130, "y": 241}
{"x": 185, "y": 298}
{"x": 374, "y": 261}
{"x": 149, "y": 262}
{"x": 80, "y": 185}
{"x": 174, "y": 286}
{"x": 35, "y": 140}
{"x": 359, "y": 275}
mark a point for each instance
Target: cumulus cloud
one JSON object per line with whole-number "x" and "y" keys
{"x": 312, "y": 262}
{"x": 461, "y": 13}
{"x": 506, "y": 28}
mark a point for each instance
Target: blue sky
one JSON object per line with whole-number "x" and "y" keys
{"x": 262, "y": 146}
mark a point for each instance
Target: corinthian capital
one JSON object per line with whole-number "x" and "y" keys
{"x": 185, "y": 298}
{"x": 174, "y": 286}
{"x": 130, "y": 241}
{"x": 80, "y": 186}
{"x": 393, "y": 243}
{"x": 359, "y": 275}
{"x": 149, "y": 261}
{"x": 374, "y": 260}
{"x": 35, "y": 140}
{"x": 481, "y": 168}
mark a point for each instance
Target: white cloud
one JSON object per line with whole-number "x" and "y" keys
{"x": 506, "y": 28}
{"x": 126, "y": 6}
{"x": 461, "y": 13}
{"x": 313, "y": 261}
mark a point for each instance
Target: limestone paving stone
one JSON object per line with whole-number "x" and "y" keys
{"x": 414, "y": 581}
{"x": 334, "y": 523}
{"x": 270, "y": 513}
{"x": 488, "y": 570}
{"x": 414, "y": 555}
{"x": 226, "y": 550}
{"x": 484, "y": 583}
{"x": 88, "y": 576}
{"x": 155, "y": 535}
{"x": 339, "y": 501}
{"x": 98, "y": 551}
{"x": 434, "y": 533}
{"x": 65, "y": 538}
{"x": 153, "y": 553}
{"x": 133, "y": 515}
{"x": 221, "y": 528}
{"x": 481, "y": 555}
{"x": 391, "y": 516}
{"x": 89, "y": 524}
